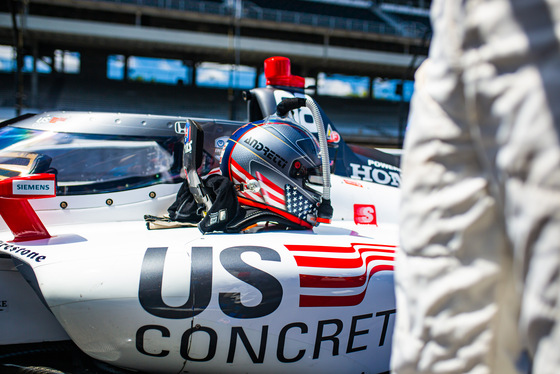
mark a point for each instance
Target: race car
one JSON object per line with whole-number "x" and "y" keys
{"x": 92, "y": 261}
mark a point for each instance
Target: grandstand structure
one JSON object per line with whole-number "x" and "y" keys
{"x": 377, "y": 39}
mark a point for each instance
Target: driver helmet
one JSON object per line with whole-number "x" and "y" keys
{"x": 274, "y": 164}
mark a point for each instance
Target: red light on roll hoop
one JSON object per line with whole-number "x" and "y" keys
{"x": 277, "y": 71}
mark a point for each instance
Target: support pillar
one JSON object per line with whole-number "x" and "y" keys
{"x": 35, "y": 77}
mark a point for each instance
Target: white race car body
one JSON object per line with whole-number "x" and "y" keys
{"x": 175, "y": 300}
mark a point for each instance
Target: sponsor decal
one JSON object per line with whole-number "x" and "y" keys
{"x": 268, "y": 153}
{"x": 317, "y": 262}
{"x": 378, "y": 172}
{"x": 364, "y": 214}
{"x": 343, "y": 336}
{"x": 216, "y": 217}
{"x": 333, "y": 137}
{"x": 3, "y": 305}
{"x": 151, "y": 277}
{"x": 21, "y": 252}
{"x": 187, "y": 134}
{"x": 219, "y": 147}
{"x": 188, "y": 140}
{"x": 353, "y": 183}
{"x": 180, "y": 127}
{"x": 220, "y": 142}
{"x": 50, "y": 119}
{"x": 33, "y": 187}
{"x": 330, "y": 337}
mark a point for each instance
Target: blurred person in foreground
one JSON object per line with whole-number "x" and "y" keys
{"x": 478, "y": 274}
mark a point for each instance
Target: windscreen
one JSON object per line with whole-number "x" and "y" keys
{"x": 90, "y": 163}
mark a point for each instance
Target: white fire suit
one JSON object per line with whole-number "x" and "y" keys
{"x": 478, "y": 274}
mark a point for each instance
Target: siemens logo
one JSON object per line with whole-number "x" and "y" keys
{"x": 30, "y": 187}
{"x": 38, "y": 187}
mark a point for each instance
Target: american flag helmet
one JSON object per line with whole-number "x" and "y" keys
{"x": 274, "y": 164}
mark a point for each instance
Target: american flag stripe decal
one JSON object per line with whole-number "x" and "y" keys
{"x": 350, "y": 249}
{"x": 270, "y": 184}
{"x": 272, "y": 192}
{"x": 316, "y": 272}
{"x": 340, "y": 263}
{"x": 320, "y": 281}
{"x": 240, "y": 176}
{"x": 240, "y": 171}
